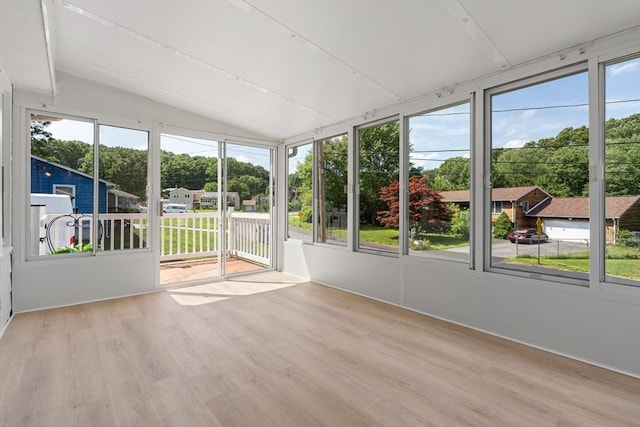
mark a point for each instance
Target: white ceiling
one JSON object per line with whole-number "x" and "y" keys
{"x": 281, "y": 68}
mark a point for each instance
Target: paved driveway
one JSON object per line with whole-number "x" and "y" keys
{"x": 507, "y": 249}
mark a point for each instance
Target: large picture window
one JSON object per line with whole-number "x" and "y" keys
{"x": 540, "y": 176}
{"x": 438, "y": 202}
{"x": 331, "y": 155}
{"x": 622, "y": 171}
{"x": 72, "y": 210}
{"x": 378, "y": 187}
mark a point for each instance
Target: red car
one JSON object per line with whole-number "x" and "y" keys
{"x": 527, "y": 235}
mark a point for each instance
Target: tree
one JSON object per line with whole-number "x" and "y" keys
{"x": 503, "y": 226}
{"x": 427, "y": 212}
{"x": 460, "y": 221}
{"x": 379, "y": 159}
{"x": 211, "y": 187}
{"x": 453, "y": 174}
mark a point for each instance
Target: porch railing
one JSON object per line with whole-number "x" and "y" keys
{"x": 182, "y": 236}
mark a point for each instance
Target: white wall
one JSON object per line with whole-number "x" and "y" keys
{"x": 596, "y": 325}
{"x": 5, "y": 239}
{"x": 59, "y": 281}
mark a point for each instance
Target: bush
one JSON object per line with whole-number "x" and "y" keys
{"x": 460, "y": 223}
{"x": 306, "y": 214}
{"x": 625, "y": 238}
{"x": 503, "y": 227}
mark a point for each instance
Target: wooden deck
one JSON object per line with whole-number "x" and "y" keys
{"x": 265, "y": 350}
{"x": 192, "y": 270}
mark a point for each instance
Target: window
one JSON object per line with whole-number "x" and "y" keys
{"x": 72, "y": 210}
{"x": 300, "y": 192}
{"x": 378, "y": 187}
{"x": 123, "y": 168}
{"x": 496, "y": 207}
{"x": 539, "y": 157}
{"x": 438, "y": 203}
{"x": 67, "y": 190}
{"x": 62, "y": 186}
{"x": 622, "y": 171}
{"x": 331, "y": 155}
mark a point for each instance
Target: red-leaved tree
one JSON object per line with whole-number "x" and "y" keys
{"x": 426, "y": 209}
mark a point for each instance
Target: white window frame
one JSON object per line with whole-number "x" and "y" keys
{"x": 548, "y": 76}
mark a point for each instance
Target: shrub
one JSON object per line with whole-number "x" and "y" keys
{"x": 306, "y": 214}
{"x": 503, "y": 227}
{"x": 460, "y": 222}
{"x": 625, "y": 238}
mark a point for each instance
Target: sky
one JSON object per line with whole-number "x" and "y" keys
{"x": 524, "y": 115}
{"x": 519, "y": 116}
{"x": 130, "y": 138}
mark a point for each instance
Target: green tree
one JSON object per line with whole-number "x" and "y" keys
{"x": 379, "y": 158}
{"x": 211, "y": 187}
{"x": 502, "y": 227}
{"x": 453, "y": 174}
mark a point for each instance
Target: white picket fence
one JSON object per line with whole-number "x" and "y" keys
{"x": 195, "y": 235}
{"x": 182, "y": 236}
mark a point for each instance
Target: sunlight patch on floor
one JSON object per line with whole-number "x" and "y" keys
{"x": 243, "y": 286}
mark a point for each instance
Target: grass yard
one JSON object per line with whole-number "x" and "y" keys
{"x": 386, "y": 236}
{"x": 620, "y": 261}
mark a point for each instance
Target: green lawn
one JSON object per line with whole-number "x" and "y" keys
{"x": 387, "y": 236}
{"x": 620, "y": 261}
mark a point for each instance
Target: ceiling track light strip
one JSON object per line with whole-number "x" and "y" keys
{"x": 160, "y": 45}
{"x": 326, "y": 52}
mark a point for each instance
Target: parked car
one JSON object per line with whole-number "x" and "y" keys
{"x": 175, "y": 208}
{"x": 527, "y": 235}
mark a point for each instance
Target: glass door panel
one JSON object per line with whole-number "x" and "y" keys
{"x": 190, "y": 211}
{"x": 249, "y": 189}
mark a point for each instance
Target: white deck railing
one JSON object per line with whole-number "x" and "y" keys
{"x": 182, "y": 236}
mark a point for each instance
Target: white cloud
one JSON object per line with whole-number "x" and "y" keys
{"x": 515, "y": 143}
{"x": 528, "y": 114}
{"x": 425, "y": 160}
{"x": 625, "y": 67}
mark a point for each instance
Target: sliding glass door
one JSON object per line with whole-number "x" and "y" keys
{"x": 215, "y": 215}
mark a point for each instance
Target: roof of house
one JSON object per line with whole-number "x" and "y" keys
{"x": 497, "y": 194}
{"x": 578, "y": 207}
{"x": 121, "y": 193}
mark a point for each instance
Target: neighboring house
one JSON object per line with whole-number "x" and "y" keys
{"x": 53, "y": 178}
{"x": 181, "y": 195}
{"x": 567, "y": 218}
{"x": 516, "y": 202}
{"x": 196, "y": 197}
{"x": 249, "y": 205}
{"x": 209, "y": 200}
{"x": 563, "y": 218}
{"x": 121, "y": 201}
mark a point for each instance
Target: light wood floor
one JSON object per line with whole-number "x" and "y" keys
{"x": 257, "y": 352}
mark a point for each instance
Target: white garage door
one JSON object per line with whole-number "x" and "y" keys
{"x": 563, "y": 229}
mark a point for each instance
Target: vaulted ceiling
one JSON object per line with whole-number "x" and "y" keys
{"x": 281, "y": 68}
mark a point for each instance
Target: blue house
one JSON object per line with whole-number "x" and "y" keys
{"x": 53, "y": 178}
